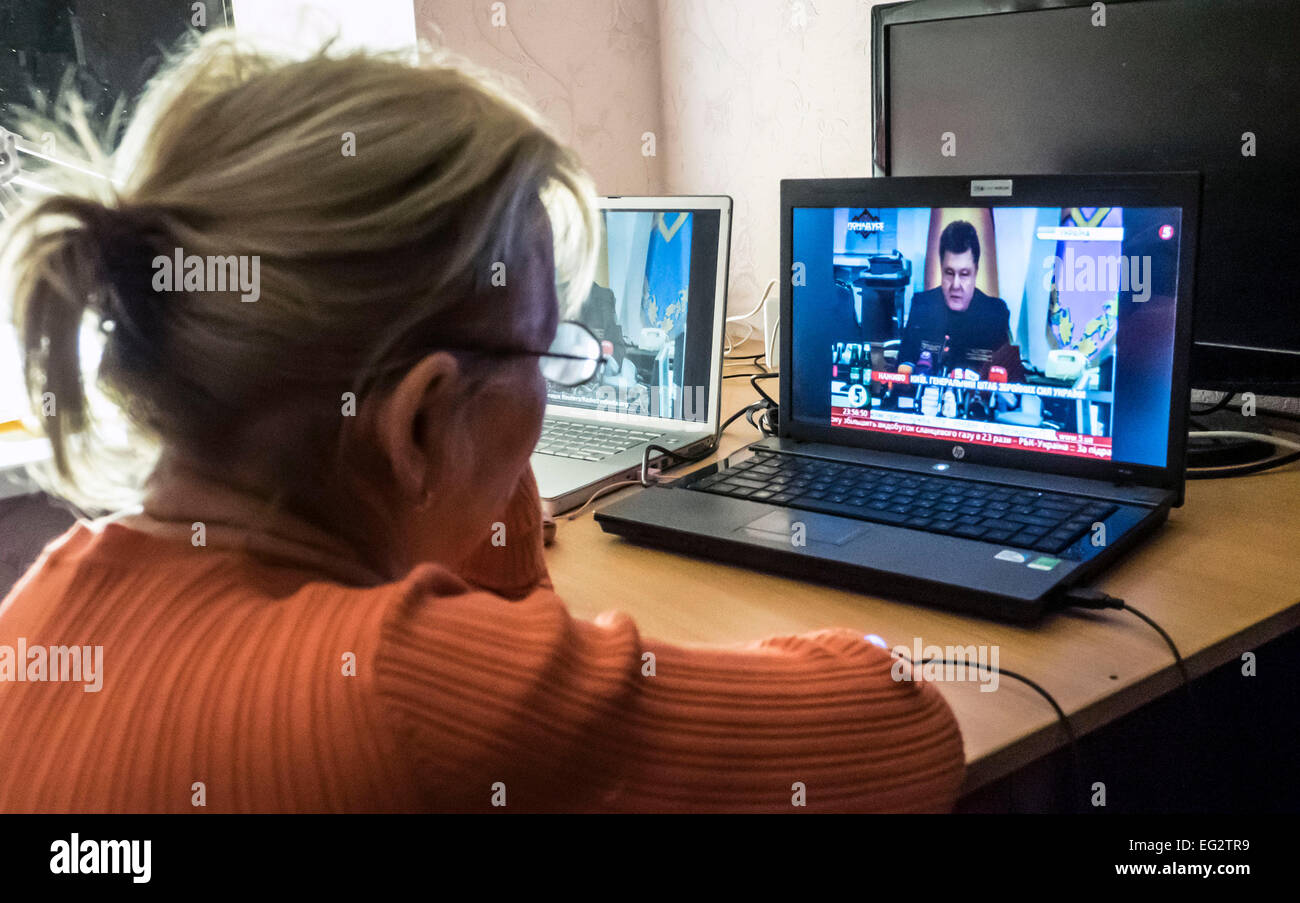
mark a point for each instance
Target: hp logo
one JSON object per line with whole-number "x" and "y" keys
{"x": 958, "y": 452}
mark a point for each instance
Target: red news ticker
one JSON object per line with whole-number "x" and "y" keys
{"x": 1071, "y": 444}
{"x": 997, "y": 382}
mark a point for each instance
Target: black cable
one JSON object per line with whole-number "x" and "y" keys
{"x": 1261, "y": 413}
{"x": 1242, "y": 470}
{"x": 1076, "y": 758}
{"x": 1218, "y": 405}
{"x": 764, "y": 412}
{"x": 704, "y": 453}
{"x": 678, "y": 456}
{"x": 766, "y": 405}
{"x": 1096, "y": 599}
{"x": 1264, "y": 414}
{"x": 753, "y": 381}
{"x": 1178, "y": 659}
{"x": 1060, "y": 712}
{"x": 764, "y": 424}
{"x": 736, "y": 416}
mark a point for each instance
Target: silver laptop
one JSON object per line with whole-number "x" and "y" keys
{"x": 658, "y": 305}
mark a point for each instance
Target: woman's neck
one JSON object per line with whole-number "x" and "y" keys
{"x": 183, "y": 503}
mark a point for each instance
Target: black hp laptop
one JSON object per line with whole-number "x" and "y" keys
{"x": 983, "y": 392}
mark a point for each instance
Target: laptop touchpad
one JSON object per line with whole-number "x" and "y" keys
{"x": 799, "y": 527}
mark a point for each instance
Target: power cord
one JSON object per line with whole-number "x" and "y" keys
{"x": 765, "y": 409}
{"x": 737, "y": 318}
{"x": 678, "y": 456}
{"x": 1051, "y": 700}
{"x": 1217, "y": 406}
{"x": 731, "y": 343}
{"x": 577, "y": 512}
{"x": 1076, "y": 758}
{"x": 754, "y": 380}
{"x": 1242, "y": 470}
{"x": 1261, "y": 413}
{"x": 743, "y": 412}
{"x": 757, "y": 307}
{"x": 1082, "y": 597}
{"x": 1291, "y": 444}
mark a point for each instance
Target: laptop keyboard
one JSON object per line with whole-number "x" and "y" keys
{"x": 1024, "y": 518}
{"x": 588, "y": 441}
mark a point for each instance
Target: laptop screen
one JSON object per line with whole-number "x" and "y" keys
{"x": 652, "y": 305}
{"x": 1041, "y": 329}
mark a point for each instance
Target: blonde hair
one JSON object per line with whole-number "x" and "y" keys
{"x": 363, "y": 258}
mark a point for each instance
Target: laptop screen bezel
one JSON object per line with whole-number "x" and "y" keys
{"x": 1180, "y": 190}
{"x": 722, "y": 205}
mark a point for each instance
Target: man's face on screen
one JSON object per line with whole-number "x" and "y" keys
{"x": 958, "y": 279}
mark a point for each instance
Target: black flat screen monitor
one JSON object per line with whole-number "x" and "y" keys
{"x": 105, "y": 50}
{"x": 964, "y": 87}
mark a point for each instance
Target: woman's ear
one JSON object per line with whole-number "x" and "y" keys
{"x": 427, "y": 393}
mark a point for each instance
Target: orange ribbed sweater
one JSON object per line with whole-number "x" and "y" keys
{"x": 227, "y": 679}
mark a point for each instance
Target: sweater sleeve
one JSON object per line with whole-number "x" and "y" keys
{"x": 520, "y": 704}
{"x": 510, "y": 560}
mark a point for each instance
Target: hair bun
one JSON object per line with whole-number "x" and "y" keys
{"x": 124, "y": 295}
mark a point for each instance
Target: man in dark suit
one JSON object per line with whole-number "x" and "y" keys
{"x": 972, "y": 325}
{"x": 600, "y": 315}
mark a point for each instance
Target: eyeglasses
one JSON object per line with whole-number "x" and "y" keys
{"x": 574, "y": 358}
{"x": 575, "y": 355}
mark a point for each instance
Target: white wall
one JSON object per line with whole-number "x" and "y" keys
{"x": 373, "y": 24}
{"x": 760, "y": 90}
{"x": 591, "y": 67}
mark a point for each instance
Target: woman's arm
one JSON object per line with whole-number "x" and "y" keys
{"x": 570, "y": 715}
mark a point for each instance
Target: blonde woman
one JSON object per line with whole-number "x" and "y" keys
{"x": 303, "y": 608}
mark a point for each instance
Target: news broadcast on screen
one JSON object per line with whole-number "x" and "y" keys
{"x": 997, "y": 326}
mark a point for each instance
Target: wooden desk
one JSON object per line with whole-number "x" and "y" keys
{"x": 1222, "y": 577}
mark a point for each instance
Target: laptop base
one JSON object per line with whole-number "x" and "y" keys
{"x": 987, "y": 579}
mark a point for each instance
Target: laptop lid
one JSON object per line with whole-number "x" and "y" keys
{"x": 1035, "y": 322}
{"x": 659, "y": 302}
